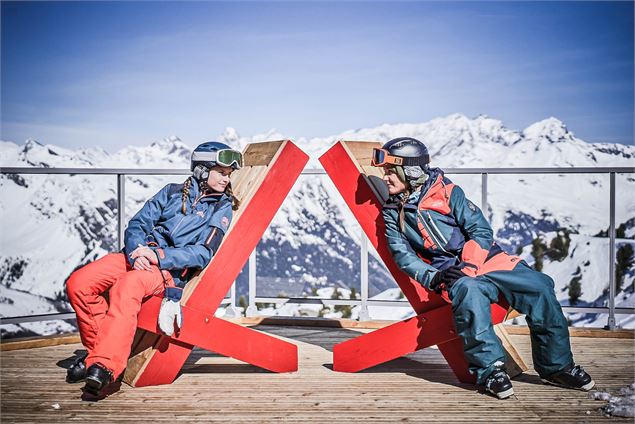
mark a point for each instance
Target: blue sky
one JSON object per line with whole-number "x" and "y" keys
{"x": 110, "y": 74}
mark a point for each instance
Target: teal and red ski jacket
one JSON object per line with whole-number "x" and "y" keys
{"x": 441, "y": 228}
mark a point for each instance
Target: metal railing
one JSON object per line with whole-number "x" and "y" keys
{"x": 251, "y": 310}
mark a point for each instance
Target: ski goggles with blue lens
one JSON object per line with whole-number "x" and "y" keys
{"x": 225, "y": 157}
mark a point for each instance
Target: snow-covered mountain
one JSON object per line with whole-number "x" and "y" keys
{"x": 53, "y": 223}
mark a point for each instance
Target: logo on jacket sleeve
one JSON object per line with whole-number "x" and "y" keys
{"x": 200, "y": 213}
{"x": 471, "y": 206}
{"x": 224, "y": 222}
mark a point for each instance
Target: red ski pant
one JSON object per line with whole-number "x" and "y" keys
{"x": 107, "y": 327}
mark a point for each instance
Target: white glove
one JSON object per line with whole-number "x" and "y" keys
{"x": 169, "y": 312}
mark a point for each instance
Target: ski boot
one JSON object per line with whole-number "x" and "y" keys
{"x": 572, "y": 377}
{"x": 499, "y": 384}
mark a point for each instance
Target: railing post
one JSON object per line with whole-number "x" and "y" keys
{"x": 484, "y": 194}
{"x": 121, "y": 206}
{"x": 252, "y": 310}
{"x": 363, "y": 242}
{"x": 232, "y": 311}
{"x": 612, "y": 282}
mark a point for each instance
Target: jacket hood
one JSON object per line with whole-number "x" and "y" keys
{"x": 419, "y": 193}
{"x": 433, "y": 176}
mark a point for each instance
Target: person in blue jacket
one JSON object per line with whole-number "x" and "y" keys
{"x": 175, "y": 234}
{"x": 442, "y": 240}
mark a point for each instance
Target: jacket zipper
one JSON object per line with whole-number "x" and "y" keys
{"x": 196, "y": 200}
{"x": 182, "y": 218}
{"x": 432, "y": 235}
{"x": 177, "y": 226}
{"x": 439, "y": 234}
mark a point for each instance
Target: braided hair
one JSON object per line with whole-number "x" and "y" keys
{"x": 185, "y": 195}
{"x": 402, "y": 202}
{"x": 229, "y": 191}
{"x": 204, "y": 187}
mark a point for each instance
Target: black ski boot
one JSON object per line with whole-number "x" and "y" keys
{"x": 498, "y": 384}
{"x": 97, "y": 377}
{"x": 77, "y": 371}
{"x": 572, "y": 377}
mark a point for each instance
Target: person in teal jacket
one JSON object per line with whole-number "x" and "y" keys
{"x": 442, "y": 240}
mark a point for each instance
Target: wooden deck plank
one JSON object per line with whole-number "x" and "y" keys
{"x": 417, "y": 388}
{"x": 41, "y": 341}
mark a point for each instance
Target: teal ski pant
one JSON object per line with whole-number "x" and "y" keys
{"x": 528, "y": 292}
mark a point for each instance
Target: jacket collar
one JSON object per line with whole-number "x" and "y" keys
{"x": 213, "y": 196}
{"x": 435, "y": 176}
{"x": 431, "y": 186}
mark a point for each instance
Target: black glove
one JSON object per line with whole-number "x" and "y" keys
{"x": 443, "y": 280}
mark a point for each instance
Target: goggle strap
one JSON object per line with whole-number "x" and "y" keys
{"x": 421, "y": 160}
{"x": 203, "y": 156}
{"x": 213, "y": 157}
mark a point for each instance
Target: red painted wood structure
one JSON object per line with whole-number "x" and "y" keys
{"x": 348, "y": 165}
{"x": 270, "y": 171}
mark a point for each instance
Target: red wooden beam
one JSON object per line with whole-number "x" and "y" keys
{"x": 204, "y": 330}
{"x": 434, "y": 324}
{"x": 164, "y": 371}
{"x": 203, "y": 296}
{"x": 355, "y": 188}
{"x": 435, "y": 327}
{"x": 452, "y": 351}
{"x": 247, "y": 231}
{"x": 394, "y": 341}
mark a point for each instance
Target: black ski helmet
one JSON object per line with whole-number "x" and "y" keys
{"x": 410, "y": 149}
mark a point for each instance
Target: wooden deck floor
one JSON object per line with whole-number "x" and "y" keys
{"x": 416, "y": 388}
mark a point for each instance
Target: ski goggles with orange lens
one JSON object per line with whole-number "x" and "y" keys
{"x": 225, "y": 157}
{"x": 381, "y": 157}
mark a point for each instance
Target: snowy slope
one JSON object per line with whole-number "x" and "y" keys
{"x": 51, "y": 224}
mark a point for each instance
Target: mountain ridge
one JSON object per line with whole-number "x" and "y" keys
{"x": 313, "y": 241}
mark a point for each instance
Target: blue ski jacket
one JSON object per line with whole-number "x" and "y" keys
{"x": 182, "y": 242}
